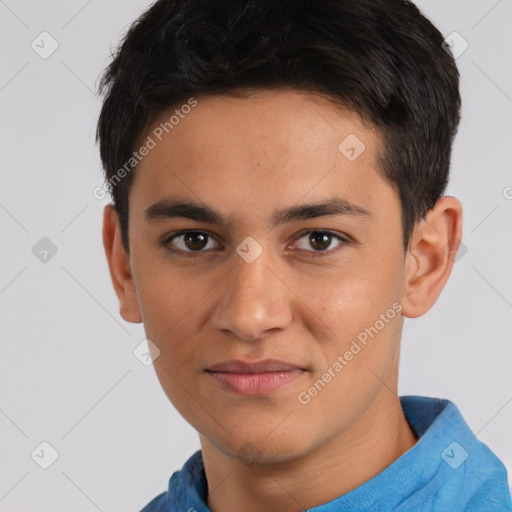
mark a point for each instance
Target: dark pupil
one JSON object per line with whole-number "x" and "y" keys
{"x": 318, "y": 237}
{"x": 318, "y": 240}
{"x": 195, "y": 240}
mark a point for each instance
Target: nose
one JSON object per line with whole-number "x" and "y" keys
{"x": 253, "y": 300}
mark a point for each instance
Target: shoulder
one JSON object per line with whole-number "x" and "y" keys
{"x": 158, "y": 504}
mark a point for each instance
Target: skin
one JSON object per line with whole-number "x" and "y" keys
{"x": 247, "y": 157}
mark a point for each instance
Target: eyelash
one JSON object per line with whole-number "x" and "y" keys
{"x": 309, "y": 254}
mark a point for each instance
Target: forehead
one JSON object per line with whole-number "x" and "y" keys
{"x": 280, "y": 119}
{"x": 271, "y": 148}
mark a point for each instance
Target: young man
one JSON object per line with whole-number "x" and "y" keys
{"x": 277, "y": 169}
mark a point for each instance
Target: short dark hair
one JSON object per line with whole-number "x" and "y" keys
{"x": 381, "y": 58}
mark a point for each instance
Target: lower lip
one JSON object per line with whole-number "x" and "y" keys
{"x": 255, "y": 383}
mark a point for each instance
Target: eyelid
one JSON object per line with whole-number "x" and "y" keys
{"x": 166, "y": 240}
{"x": 342, "y": 236}
{"x": 343, "y": 239}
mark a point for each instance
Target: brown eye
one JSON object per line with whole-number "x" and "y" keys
{"x": 188, "y": 241}
{"x": 195, "y": 241}
{"x": 320, "y": 241}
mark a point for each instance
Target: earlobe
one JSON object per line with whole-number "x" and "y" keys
{"x": 431, "y": 255}
{"x": 119, "y": 267}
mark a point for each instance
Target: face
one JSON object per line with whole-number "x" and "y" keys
{"x": 317, "y": 288}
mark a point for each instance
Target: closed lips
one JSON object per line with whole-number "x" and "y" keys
{"x": 263, "y": 366}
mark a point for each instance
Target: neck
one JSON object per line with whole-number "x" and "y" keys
{"x": 380, "y": 436}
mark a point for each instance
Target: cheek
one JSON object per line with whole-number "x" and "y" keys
{"x": 348, "y": 301}
{"x": 170, "y": 314}
{"x": 357, "y": 317}
{"x": 166, "y": 296}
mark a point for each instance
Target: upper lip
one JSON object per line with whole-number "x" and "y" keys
{"x": 265, "y": 365}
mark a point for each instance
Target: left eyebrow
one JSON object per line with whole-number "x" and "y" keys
{"x": 167, "y": 209}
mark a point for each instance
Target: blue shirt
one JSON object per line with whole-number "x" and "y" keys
{"x": 448, "y": 469}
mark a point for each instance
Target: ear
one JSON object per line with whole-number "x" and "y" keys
{"x": 431, "y": 255}
{"x": 119, "y": 266}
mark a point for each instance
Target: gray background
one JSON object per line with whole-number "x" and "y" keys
{"x": 68, "y": 373}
